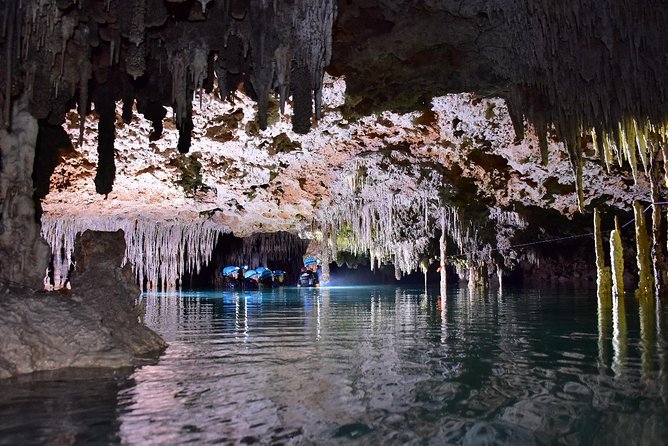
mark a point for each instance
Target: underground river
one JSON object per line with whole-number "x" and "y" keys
{"x": 367, "y": 365}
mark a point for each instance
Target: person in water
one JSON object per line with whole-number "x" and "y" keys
{"x": 251, "y": 280}
{"x": 233, "y": 277}
{"x": 309, "y": 274}
{"x": 266, "y": 277}
{"x": 279, "y": 277}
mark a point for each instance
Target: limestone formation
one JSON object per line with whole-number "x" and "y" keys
{"x": 95, "y": 325}
{"x": 24, "y": 254}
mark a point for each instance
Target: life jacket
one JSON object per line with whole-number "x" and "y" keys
{"x": 308, "y": 278}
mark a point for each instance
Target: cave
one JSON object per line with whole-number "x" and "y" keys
{"x": 479, "y": 188}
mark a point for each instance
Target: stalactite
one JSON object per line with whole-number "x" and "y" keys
{"x": 135, "y": 64}
{"x": 370, "y": 217}
{"x": 645, "y": 283}
{"x": 575, "y": 158}
{"x": 161, "y": 252}
{"x": 186, "y": 126}
{"x": 397, "y": 272}
{"x": 85, "y": 74}
{"x": 630, "y": 152}
{"x": 603, "y": 273}
{"x": 312, "y": 48}
{"x": 8, "y": 35}
{"x": 302, "y": 100}
{"x": 617, "y": 261}
{"x": 575, "y": 89}
{"x": 137, "y": 28}
{"x": 263, "y": 43}
{"x": 424, "y": 266}
{"x": 106, "y": 166}
{"x": 640, "y": 137}
{"x": 283, "y": 68}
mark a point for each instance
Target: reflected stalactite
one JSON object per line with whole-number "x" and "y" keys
{"x": 619, "y": 335}
{"x": 164, "y": 311}
{"x": 647, "y": 335}
{"x": 604, "y": 330}
{"x": 662, "y": 348}
{"x": 442, "y": 306}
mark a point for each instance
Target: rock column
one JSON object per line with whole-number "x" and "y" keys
{"x": 24, "y": 255}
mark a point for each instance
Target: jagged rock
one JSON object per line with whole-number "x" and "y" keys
{"x": 96, "y": 325}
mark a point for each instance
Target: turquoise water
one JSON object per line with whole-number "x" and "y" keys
{"x": 367, "y": 365}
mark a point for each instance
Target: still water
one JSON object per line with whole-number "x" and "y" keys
{"x": 367, "y": 366}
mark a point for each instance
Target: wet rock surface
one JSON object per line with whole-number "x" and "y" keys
{"x": 94, "y": 325}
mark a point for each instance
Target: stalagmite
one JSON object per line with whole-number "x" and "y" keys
{"x": 645, "y": 282}
{"x": 603, "y": 273}
{"x": 617, "y": 262}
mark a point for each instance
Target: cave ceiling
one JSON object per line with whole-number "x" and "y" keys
{"x": 580, "y": 64}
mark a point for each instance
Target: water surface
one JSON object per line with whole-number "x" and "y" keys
{"x": 367, "y": 366}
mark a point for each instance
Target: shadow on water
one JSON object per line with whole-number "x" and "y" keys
{"x": 71, "y": 406}
{"x": 368, "y": 365}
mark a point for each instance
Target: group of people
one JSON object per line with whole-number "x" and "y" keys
{"x": 237, "y": 277}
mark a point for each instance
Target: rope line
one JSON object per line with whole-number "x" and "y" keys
{"x": 539, "y": 242}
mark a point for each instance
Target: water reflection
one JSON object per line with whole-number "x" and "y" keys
{"x": 604, "y": 312}
{"x": 62, "y": 408}
{"x": 647, "y": 335}
{"x": 619, "y": 335}
{"x": 382, "y": 365}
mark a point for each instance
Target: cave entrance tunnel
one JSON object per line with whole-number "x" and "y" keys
{"x": 286, "y": 251}
{"x": 279, "y": 250}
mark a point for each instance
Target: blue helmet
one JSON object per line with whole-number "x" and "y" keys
{"x": 261, "y": 269}
{"x": 229, "y": 270}
{"x": 310, "y": 261}
{"x": 264, "y": 273}
{"x": 279, "y": 273}
{"x": 250, "y": 273}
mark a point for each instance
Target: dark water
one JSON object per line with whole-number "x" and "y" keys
{"x": 367, "y": 366}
